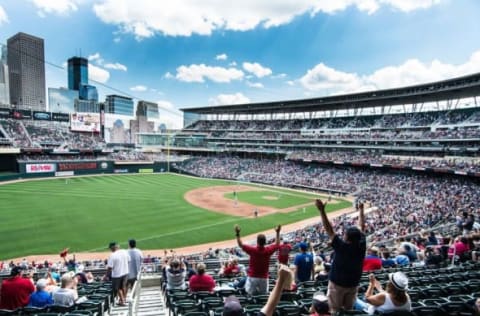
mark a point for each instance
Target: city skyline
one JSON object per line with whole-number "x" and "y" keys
{"x": 186, "y": 55}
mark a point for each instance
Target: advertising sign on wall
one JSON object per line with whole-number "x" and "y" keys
{"x": 40, "y": 167}
{"x": 65, "y": 166}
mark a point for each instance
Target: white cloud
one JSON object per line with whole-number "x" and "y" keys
{"x": 93, "y": 57}
{"x": 410, "y": 5}
{"x": 168, "y": 75}
{"x": 58, "y": 7}
{"x": 290, "y": 82}
{"x": 98, "y": 74}
{"x": 3, "y": 16}
{"x": 322, "y": 77}
{"x": 116, "y": 66}
{"x": 198, "y": 73}
{"x": 139, "y": 88}
{"x": 226, "y": 99}
{"x": 280, "y": 76}
{"x": 169, "y": 115}
{"x": 258, "y": 85}
{"x": 257, "y": 69}
{"x": 98, "y": 59}
{"x": 327, "y": 79}
{"x": 221, "y": 57}
{"x": 233, "y": 64}
{"x": 145, "y": 18}
{"x": 163, "y": 104}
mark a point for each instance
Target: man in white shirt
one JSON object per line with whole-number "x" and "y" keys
{"x": 118, "y": 269}
{"x": 136, "y": 258}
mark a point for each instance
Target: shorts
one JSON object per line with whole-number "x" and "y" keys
{"x": 119, "y": 283}
{"x": 341, "y": 297}
{"x": 256, "y": 286}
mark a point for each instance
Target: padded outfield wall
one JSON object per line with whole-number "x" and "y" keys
{"x": 43, "y": 169}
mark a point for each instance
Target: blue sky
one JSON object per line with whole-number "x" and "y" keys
{"x": 195, "y": 53}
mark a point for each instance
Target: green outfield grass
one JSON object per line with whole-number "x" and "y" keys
{"x": 276, "y": 199}
{"x": 86, "y": 213}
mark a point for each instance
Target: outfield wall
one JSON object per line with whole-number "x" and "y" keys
{"x": 45, "y": 169}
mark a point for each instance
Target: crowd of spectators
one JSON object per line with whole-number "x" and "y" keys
{"x": 16, "y": 131}
{"x": 457, "y": 164}
{"x": 461, "y": 133}
{"x": 406, "y": 202}
{"x": 41, "y": 134}
{"x": 129, "y": 155}
{"x": 55, "y": 157}
{"x": 419, "y": 119}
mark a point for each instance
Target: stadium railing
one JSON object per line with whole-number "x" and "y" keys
{"x": 133, "y": 298}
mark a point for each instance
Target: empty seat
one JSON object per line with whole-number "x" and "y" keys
{"x": 195, "y": 314}
{"x": 454, "y": 308}
{"x": 252, "y": 310}
{"x": 30, "y": 310}
{"x": 260, "y": 299}
{"x": 428, "y": 311}
{"x": 210, "y": 303}
{"x": 185, "y": 306}
{"x": 289, "y": 310}
{"x": 398, "y": 313}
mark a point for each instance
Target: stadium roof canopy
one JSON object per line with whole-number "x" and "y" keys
{"x": 451, "y": 89}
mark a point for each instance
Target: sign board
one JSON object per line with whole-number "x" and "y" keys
{"x": 85, "y": 122}
{"x": 40, "y": 167}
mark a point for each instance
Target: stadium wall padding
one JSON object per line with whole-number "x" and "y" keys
{"x": 45, "y": 169}
{"x": 8, "y": 163}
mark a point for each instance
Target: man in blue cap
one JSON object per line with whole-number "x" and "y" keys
{"x": 303, "y": 264}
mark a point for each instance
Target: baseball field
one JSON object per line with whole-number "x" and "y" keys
{"x": 162, "y": 211}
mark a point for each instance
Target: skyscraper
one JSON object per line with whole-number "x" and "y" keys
{"x": 77, "y": 72}
{"x": 26, "y": 69}
{"x": 88, "y": 92}
{"x": 4, "y": 86}
{"x": 118, "y": 104}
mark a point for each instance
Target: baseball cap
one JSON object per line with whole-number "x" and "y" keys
{"x": 112, "y": 244}
{"x": 303, "y": 246}
{"x": 399, "y": 280}
{"x": 232, "y": 307}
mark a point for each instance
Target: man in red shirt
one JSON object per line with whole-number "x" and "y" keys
{"x": 372, "y": 261}
{"x": 283, "y": 251}
{"x": 201, "y": 281}
{"x": 257, "y": 280}
{"x": 16, "y": 290}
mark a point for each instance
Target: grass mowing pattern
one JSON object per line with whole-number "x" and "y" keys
{"x": 281, "y": 199}
{"x": 87, "y": 213}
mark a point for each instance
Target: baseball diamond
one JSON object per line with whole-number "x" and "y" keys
{"x": 161, "y": 210}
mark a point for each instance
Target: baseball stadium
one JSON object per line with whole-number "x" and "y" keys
{"x": 180, "y": 193}
{"x": 240, "y": 158}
